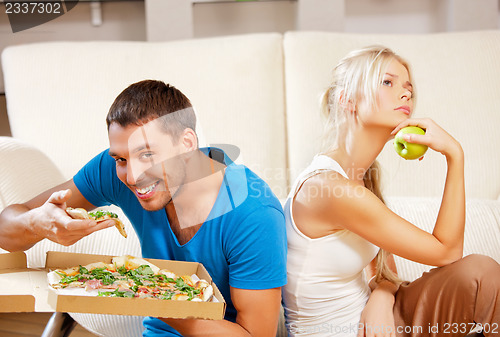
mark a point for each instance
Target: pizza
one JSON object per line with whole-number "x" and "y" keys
{"x": 131, "y": 277}
{"x": 80, "y": 213}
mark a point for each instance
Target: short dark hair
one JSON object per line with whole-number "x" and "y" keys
{"x": 147, "y": 100}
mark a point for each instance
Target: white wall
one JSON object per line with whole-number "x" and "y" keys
{"x": 212, "y": 19}
{"x": 392, "y": 16}
{"x": 223, "y": 17}
{"x": 422, "y": 16}
{"x": 121, "y": 21}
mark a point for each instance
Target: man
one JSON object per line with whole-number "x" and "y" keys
{"x": 185, "y": 203}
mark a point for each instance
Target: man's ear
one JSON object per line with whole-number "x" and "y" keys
{"x": 189, "y": 140}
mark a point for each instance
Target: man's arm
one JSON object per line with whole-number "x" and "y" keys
{"x": 257, "y": 315}
{"x": 23, "y": 225}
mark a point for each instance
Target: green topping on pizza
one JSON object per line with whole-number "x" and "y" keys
{"x": 101, "y": 214}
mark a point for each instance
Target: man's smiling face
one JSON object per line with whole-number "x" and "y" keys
{"x": 148, "y": 162}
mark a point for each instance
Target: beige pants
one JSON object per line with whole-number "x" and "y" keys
{"x": 447, "y": 301}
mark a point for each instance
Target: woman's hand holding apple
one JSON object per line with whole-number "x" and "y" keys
{"x": 435, "y": 137}
{"x": 409, "y": 150}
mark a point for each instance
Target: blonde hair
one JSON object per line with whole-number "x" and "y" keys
{"x": 358, "y": 76}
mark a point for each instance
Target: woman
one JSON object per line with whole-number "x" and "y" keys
{"x": 337, "y": 220}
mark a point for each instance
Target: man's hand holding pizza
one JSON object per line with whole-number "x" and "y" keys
{"x": 45, "y": 216}
{"x": 59, "y": 226}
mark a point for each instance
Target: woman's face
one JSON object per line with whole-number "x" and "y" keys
{"x": 394, "y": 99}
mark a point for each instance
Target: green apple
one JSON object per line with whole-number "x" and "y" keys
{"x": 409, "y": 150}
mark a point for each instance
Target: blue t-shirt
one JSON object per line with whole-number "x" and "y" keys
{"x": 242, "y": 243}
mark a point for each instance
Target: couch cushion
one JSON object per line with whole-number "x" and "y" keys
{"x": 25, "y": 172}
{"x": 457, "y": 79}
{"x": 482, "y": 227}
{"x": 58, "y": 94}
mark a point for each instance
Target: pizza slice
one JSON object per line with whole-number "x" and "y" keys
{"x": 98, "y": 216}
{"x": 82, "y": 276}
{"x": 131, "y": 262}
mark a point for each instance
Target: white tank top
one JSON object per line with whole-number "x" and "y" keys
{"x": 327, "y": 288}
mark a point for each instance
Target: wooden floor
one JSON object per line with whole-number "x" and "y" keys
{"x": 31, "y": 325}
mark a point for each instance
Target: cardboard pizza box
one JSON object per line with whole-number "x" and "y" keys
{"x": 17, "y": 292}
{"x": 27, "y": 290}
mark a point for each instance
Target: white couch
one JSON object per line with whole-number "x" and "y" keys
{"x": 259, "y": 92}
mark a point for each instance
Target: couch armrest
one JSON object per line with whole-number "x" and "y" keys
{"x": 25, "y": 172}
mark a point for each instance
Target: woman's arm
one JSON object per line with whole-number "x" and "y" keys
{"x": 451, "y": 216}
{"x": 342, "y": 203}
{"x": 378, "y": 313}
